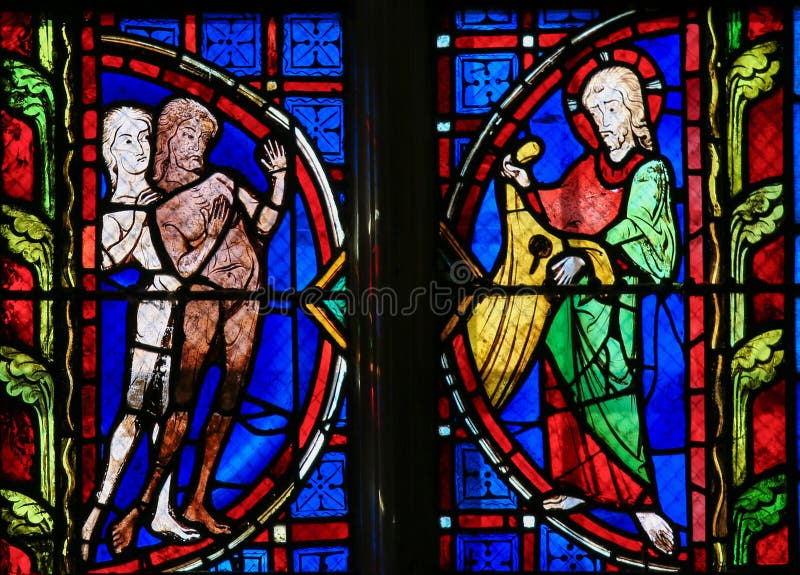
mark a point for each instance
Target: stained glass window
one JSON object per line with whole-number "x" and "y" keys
{"x": 618, "y": 380}
{"x": 172, "y": 191}
{"x": 409, "y": 287}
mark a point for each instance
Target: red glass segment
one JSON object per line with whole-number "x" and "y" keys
{"x": 16, "y": 32}
{"x": 768, "y": 262}
{"x": 190, "y": 33}
{"x": 18, "y": 451}
{"x": 18, "y": 158}
{"x": 203, "y": 92}
{"x": 443, "y": 72}
{"x": 692, "y": 47}
{"x": 769, "y": 428}
{"x": 763, "y": 20}
{"x": 486, "y": 42}
{"x": 765, "y": 138}
{"x": 773, "y": 549}
{"x": 768, "y": 307}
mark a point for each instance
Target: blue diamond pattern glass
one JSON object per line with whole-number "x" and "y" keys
{"x": 481, "y": 79}
{"x": 485, "y": 552}
{"x": 248, "y": 561}
{"x": 565, "y": 18}
{"x": 322, "y": 119}
{"x": 320, "y": 559}
{"x": 232, "y": 41}
{"x": 324, "y": 494}
{"x": 486, "y": 20}
{"x": 562, "y": 556}
{"x": 164, "y": 30}
{"x": 477, "y": 484}
{"x": 312, "y": 45}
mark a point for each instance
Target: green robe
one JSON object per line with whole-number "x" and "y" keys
{"x": 592, "y": 340}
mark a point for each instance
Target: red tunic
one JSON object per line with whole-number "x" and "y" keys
{"x": 587, "y": 202}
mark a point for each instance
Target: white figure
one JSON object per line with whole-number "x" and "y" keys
{"x": 126, "y": 239}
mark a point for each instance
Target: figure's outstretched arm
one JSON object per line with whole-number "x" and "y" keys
{"x": 271, "y": 156}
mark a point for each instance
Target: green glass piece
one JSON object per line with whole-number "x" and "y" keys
{"x": 23, "y": 516}
{"x": 752, "y": 74}
{"x": 758, "y": 217}
{"x": 338, "y": 307}
{"x": 758, "y": 508}
{"x": 734, "y": 31}
{"x": 30, "y": 237}
{"x": 754, "y": 366}
{"x": 26, "y": 378}
{"x": 46, "y": 51}
{"x": 28, "y": 91}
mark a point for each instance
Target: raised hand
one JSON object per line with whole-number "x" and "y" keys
{"x": 273, "y": 157}
{"x": 515, "y": 173}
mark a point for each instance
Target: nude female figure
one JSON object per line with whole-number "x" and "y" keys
{"x": 126, "y": 240}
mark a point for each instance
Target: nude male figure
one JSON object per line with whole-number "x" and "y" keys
{"x": 213, "y": 230}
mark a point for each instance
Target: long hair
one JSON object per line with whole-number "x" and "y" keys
{"x": 627, "y": 83}
{"x": 112, "y": 122}
{"x": 176, "y": 112}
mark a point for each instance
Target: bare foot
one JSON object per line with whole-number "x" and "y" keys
{"x": 87, "y": 531}
{"x": 197, "y": 513}
{"x": 167, "y": 524}
{"x": 122, "y": 533}
{"x": 658, "y": 530}
{"x": 562, "y": 502}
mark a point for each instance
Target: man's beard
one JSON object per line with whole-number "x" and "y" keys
{"x": 615, "y": 140}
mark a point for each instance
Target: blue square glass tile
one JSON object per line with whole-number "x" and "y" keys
{"x": 486, "y": 20}
{"x": 323, "y": 120}
{"x": 164, "y": 30}
{"x": 320, "y": 559}
{"x": 324, "y": 494}
{"x": 477, "y": 484}
{"x": 233, "y": 42}
{"x": 549, "y": 19}
{"x": 482, "y": 79}
{"x": 496, "y": 552}
{"x": 561, "y": 555}
{"x": 247, "y": 561}
{"x": 312, "y": 45}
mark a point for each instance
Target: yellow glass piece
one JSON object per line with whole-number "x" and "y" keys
{"x": 505, "y": 328}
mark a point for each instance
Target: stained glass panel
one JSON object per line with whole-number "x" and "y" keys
{"x": 171, "y": 188}
{"x": 616, "y": 390}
